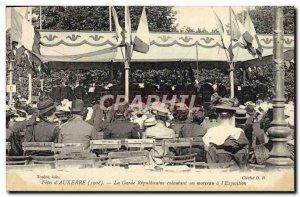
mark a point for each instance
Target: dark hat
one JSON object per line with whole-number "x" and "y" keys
{"x": 77, "y": 105}
{"x": 226, "y": 104}
{"x": 250, "y": 109}
{"x": 45, "y": 105}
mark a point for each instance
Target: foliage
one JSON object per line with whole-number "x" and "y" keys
{"x": 263, "y": 18}
{"x": 96, "y": 18}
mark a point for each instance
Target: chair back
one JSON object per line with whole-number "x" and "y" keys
{"x": 105, "y": 144}
{"x": 128, "y": 157}
{"x": 37, "y": 146}
{"x": 139, "y": 143}
{"x": 177, "y": 143}
{"x": 189, "y": 159}
{"x": 67, "y": 147}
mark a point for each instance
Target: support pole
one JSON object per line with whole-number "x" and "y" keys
{"x": 110, "y": 24}
{"x": 231, "y": 77}
{"x": 40, "y": 17}
{"x": 127, "y": 80}
{"x": 279, "y": 155}
{"x": 29, "y": 87}
{"x": 10, "y": 70}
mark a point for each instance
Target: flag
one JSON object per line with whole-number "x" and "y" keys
{"x": 28, "y": 39}
{"x": 225, "y": 38}
{"x": 119, "y": 31}
{"x": 250, "y": 28}
{"x": 142, "y": 38}
{"x": 22, "y": 30}
{"x": 235, "y": 31}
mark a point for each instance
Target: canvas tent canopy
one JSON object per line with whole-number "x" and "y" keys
{"x": 71, "y": 46}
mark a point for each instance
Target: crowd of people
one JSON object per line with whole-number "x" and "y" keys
{"x": 231, "y": 132}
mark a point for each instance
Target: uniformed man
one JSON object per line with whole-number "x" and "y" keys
{"x": 79, "y": 91}
{"x": 76, "y": 130}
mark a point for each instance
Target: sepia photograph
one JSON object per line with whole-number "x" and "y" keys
{"x": 150, "y": 98}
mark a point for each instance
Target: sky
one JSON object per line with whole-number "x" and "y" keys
{"x": 194, "y": 17}
{"x": 202, "y": 17}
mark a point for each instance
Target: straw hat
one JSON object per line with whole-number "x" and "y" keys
{"x": 226, "y": 104}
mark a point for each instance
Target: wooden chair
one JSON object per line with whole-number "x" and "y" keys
{"x": 37, "y": 147}
{"x": 16, "y": 160}
{"x": 139, "y": 143}
{"x": 67, "y": 147}
{"x": 105, "y": 144}
{"x": 178, "y": 143}
{"x": 180, "y": 160}
{"x": 128, "y": 157}
{"x": 71, "y": 157}
{"x": 39, "y": 152}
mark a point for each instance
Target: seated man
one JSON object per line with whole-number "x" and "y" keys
{"x": 76, "y": 130}
{"x": 194, "y": 128}
{"x": 44, "y": 128}
{"x": 120, "y": 126}
{"x": 159, "y": 131}
{"x": 225, "y": 143}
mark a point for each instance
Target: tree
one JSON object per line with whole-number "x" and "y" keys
{"x": 96, "y": 18}
{"x": 263, "y": 19}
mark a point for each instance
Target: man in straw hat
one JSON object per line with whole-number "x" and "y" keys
{"x": 76, "y": 130}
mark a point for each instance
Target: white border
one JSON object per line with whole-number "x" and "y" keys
{"x": 106, "y": 2}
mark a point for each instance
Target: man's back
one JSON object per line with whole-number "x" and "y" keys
{"x": 122, "y": 129}
{"x": 159, "y": 131}
{"x": 77, "y": 131}
{"x": 45, "y": 132}
{"x": 192, "y": 130}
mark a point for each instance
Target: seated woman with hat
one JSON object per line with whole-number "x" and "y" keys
{"x": 226, "y": 143}
{"x": 159, "y": 131}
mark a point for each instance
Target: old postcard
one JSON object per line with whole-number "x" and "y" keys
{"x": 150, "y": 98}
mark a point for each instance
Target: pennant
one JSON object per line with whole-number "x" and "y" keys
{"x": 250, "y": 28}
{"x": 28, "y": 39}
{"x": 142, "y": 39}
{"x": 225, "y": 38}
{"x": 119, "y": 31}
{"x": 235, "y": 32}
{"x": 22, "y": 30}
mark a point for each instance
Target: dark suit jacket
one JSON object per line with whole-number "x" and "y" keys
{"x": 121, "y": 129}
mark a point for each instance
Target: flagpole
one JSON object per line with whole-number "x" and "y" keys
{"x": 29, "y": 74}
{"x": 127, "y": 60}
{"x": 231, "y": 63}
{"x": 110, "y": 24}
{"x": 10, "y": 69}
{"x": 41, "y": 80}
{"x": 40, "y": 17}
{"x": 197, "y": 61}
